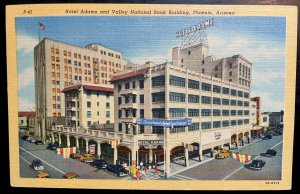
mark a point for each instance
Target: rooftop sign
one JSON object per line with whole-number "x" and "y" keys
{"x": 197, "y": 27}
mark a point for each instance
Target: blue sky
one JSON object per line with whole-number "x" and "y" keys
{"x": 259, "y": 39}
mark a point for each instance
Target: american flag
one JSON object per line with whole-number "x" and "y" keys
{"x": 42, "y": 26}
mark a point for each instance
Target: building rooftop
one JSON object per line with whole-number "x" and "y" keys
{"x": 130, "y": 74}
{"x": 88, "y": 87}
{"x": 26, "y": 114}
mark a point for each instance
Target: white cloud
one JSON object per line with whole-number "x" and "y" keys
{"x": 26, "y": 42}
{"x": 268, "y": 103}
{"x": 26, "y": 78}
{"x": 26, "y": 104}
{"x": 250, "y": 48}
{"x": 266, "y": 77}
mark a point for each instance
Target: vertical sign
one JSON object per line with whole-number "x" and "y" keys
{"x": 92, "y": 149}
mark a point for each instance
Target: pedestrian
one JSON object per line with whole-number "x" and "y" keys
{"x": 155, "y": 169}
{"x": 143, "y": 174}
{"x": 141, "y": 165}
{"x": 145, "y": 169}
{"x": 138, "y": 174}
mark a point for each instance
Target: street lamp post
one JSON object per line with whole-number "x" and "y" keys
{"x": 165, "y": 174}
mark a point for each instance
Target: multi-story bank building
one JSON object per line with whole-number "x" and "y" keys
{"x": 214, "y": 93}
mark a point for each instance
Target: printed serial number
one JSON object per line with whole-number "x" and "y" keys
{"x": 272, "y": 182}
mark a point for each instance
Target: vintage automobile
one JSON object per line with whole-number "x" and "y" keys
{"x": 42, "y": 175}
{"x": 86, "y": 158}
{"x": 101, "y": 164}
{"x": 222, "y": 154}
{"x": 37, "y": 164}
{"x": 117, "y": 170}
{"x": 76, "y": 155}
{"x": 270, "y": 153}
{"x": 70, "y": 175}
{"x": 38, "y": 142}
{"x": 257, "y": 164}
{"x": 51, "y": 147}
{"x": 266, "y": 137}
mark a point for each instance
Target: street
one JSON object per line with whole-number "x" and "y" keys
{"x": 213, "y": 169}
{"x": 56, "y": 165}
{"x": 231, "y": 169}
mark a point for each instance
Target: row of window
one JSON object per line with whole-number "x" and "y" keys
{"x": 181, "y": 112}
{"x": 180, "y": 97}
{"x": 130, "y": 113}
{"x": 132, "y": 84}
{"x": 131, "y": 99}
{"x": 89, "y": 114}
{"x": 193, "y": 84}
{"x": 77, "y": 55}
{"x": 204, "y": 125}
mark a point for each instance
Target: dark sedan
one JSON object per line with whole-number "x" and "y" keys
{"x": 101, "y": 164}
{"x": 51, "y": 147}
{"x": 266, "y": 137}
{"x": 270, "y": 153}
{"x": 117, "y": 170}
{"x": 38, "y": 142}
{"x": 257, "y": 164}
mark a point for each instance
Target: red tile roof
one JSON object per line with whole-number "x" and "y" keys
{"x": 88, "y": 87}
{"x": 130, "y": 74}
{"x": 98, "y": 88}
{"x": 71, "y": 88}
{"x": 26, "y": 114}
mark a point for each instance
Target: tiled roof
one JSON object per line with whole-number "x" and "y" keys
{"x": 98, "y": 88}
{"x": 26, "y": 114}
{"x": 71, "y": 88}
{"x": 130, "y": 74}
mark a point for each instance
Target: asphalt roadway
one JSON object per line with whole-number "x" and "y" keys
{"x": 231, "y": 169}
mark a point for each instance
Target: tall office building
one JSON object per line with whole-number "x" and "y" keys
{"x": 59, "y": 65}
{"x": 215, "y": 94}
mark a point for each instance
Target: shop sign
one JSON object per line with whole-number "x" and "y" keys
{"x": 92, "y": 149}
{"x": 218, "y": 135}
{"x": 165, "y": 122}
{"x": 150, "y": 143}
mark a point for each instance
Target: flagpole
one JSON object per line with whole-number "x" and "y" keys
{"x": 39, "y": 31}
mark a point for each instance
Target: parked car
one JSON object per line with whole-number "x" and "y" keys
{"x": 277, "y": 133}
{"x": 266, "y": 137}
{"x": 222, "y": 154}
{"x": 76, "y": 155}
{"x": 42, "y": 175}
{"x": 117, "y": 170}
{"x": 86, "y": 158}
{"x": 101, "y": 164}
{"x": 32, "y": 140}
{"x": 270, "y": 153}
{"x": 51, "y": 147}
{"x": 257, "y": 164}
{"x": 38, "y": 142}
{"x": 24, "y": 137}
{"x": 70, "y": 175}
{"x": 37, "y": 164}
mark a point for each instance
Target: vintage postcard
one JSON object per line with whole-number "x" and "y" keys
{"x": 164, "y": 97}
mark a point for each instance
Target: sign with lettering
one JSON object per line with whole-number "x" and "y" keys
{"x": 218, "y": 135}
{"x": 164, "y": 122}
{"x": 92, "y": 149}
{"x": 150, "y": 143}
{"x": 200, "y": 26}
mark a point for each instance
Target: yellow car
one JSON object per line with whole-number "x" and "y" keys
{"x": 223, "y": 154}
{"x": 42, "y": 175}
{"x": 70, "y": 175}
{"x": 86, "y": 158}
